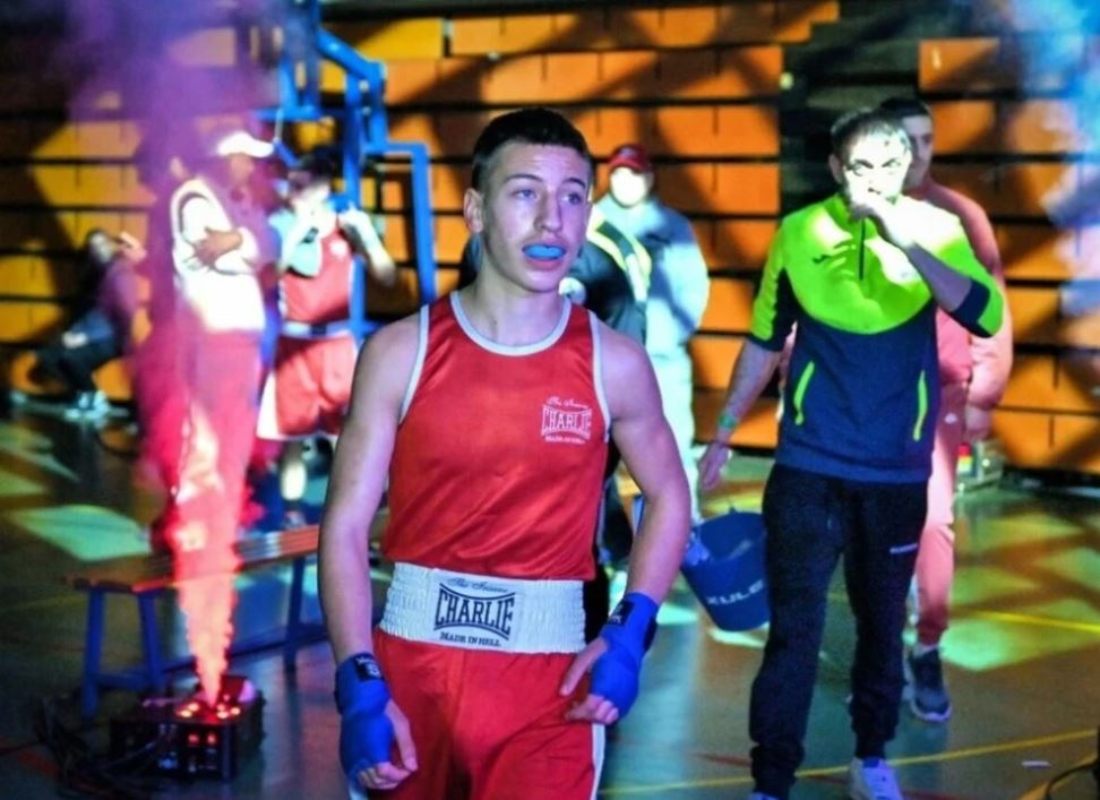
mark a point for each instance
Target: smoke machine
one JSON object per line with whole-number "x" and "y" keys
{"x": 189, "y": 738}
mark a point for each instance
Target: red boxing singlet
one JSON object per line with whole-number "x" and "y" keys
{"x": 498, "y": 462}
{"x": 322, "y": 297}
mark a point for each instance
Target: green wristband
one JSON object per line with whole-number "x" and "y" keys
{"x": 727, "y": 421}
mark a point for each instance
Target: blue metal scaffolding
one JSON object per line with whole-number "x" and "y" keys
{"x": 362, "y": 117}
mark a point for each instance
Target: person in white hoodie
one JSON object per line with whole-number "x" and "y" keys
{"x": 221, "y": 245}
{"x": 678, "y": 288}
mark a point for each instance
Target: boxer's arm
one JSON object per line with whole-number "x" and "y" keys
{"x": 358, "y": 480}
{"x": 371, "y": 723}
{"x": 644, "y": 438}
{"x": 642, "y": 434}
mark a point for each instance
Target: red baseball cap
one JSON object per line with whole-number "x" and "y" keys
{"x": 632, "y": 156}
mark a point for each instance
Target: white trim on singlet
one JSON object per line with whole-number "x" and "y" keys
{"x": 597, "y": 374}
{"x": 599, "y": 737}
{"x": 418, "y": 365}
{"x": 504, "y": 349}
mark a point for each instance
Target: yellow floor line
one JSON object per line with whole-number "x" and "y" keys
{"x": 1039, "y": 622}
{"x": 1006, "y": 616}
{"x": 950, "y": 755}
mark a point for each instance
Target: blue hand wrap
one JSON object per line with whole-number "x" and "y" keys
{"x": 366, "y": 733}
{"x": 628, "y": 633}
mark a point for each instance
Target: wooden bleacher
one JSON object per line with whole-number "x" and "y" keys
{"x": 148, "y": 577}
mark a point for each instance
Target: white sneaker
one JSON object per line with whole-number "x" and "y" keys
{"x": 872, "y": 781}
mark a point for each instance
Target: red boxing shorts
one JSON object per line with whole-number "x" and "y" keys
{"x": 312, "y": 386}
{"x": 489, "y": 725}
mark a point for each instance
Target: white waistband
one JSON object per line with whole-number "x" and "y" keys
{"x": 482, "y": 612}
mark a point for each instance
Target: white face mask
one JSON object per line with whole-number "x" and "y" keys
{"x": 629, "y": 188}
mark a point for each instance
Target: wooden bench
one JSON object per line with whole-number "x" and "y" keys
{"x": 147, "y": 577}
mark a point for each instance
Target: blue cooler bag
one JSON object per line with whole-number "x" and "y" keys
{"x": 724, "y": 566}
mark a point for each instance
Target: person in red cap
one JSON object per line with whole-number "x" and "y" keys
{"x": 678, "y": 288}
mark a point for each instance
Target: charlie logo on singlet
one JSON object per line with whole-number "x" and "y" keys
{"x": 566, "y": 421}
{"x": 481, "y": 615}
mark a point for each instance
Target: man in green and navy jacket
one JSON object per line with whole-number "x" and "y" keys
{"x": 861, "y": 275}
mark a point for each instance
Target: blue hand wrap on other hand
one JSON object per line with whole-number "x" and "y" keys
{"x": 628, "y": 632}
{"x": 366, "y": 733}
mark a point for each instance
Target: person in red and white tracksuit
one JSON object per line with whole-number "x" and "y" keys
{"x": 489, "y": 411}
{"x": 308, "y": 392}
{"x": 973, "y": 376}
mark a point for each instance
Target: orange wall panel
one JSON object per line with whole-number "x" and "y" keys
{"x": 657, "y": 28}
{"x": 1034, "y": 314}
{"x": 1027, "y": 188}
{"x": 979, "y": 182}
{"x": 447, "y": 185}
{"x": 697, "y": 187}
{"x": 420, "y": 81}
{"x": 607, "y": 128}
{"x": 1017, "y": 189}
{"x": 746, "y": 188}
{"x": 1039, "y": 126}
{"x": 451, "y": 235}
{"x": 418, "y": 37}
{"x": 1078, "y": 384}
{"x": 750, "y": 71}
{"x": 29, "y": 321}
{"x": 747, "y": 22}
{"x": 742, "y": 243}
{"x": 516, "y": 79}
{"x": 628, "y": 74}
{"x": 113, "y": 379}
{"x": 1076, "y": 443}
{"x": 716, "y": 131}
{"x": 397, "y": 236}
{"x": 570, "y": 77}
{"x": 796, "y": 18}
{"x": 1037, "y": 252}
{"x": 32, "y": 276}
{"x": 729, "y": 306}
{"x": 449, "y": 134}
{"x": 965, "y": 126}
{"x": 1033, "y": 383}
{"x": 507, "y": 34}
{"x": 1083, "y": 331}
{"x": 1027, "y": 437}
{"x": 712, "y": 358}
{"x": 973, "y": 65}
